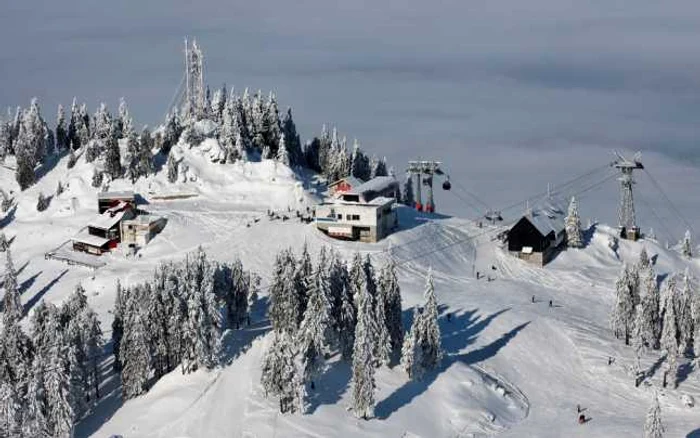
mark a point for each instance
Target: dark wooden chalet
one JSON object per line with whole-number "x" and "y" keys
{"x": 539, "y": 234}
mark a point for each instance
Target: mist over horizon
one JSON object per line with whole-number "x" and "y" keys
{"x": 510, "y": 96}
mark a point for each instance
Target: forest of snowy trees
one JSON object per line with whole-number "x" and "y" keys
{"x": 665, "y": 318}
{"x": 49, "y": 378}
{"x": 246, "y": 128}
{"x": 344, "y": 309}
{"x": 177, "y": 318}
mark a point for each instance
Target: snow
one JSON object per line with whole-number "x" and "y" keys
{"x": 106, "y": 220}
{"x": 89, "y": 239}
{"x": 511, "y": 368}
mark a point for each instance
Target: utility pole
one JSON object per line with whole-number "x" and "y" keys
{"x": 626, "y": 212}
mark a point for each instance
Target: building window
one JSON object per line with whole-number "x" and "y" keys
{"x": 340, "y": 216}
{"x": 354, "y": 217}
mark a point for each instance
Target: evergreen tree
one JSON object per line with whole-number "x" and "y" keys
{"x": 281, "y": 376}
{"x": 411, "y": 359}
{"x": 97, "y": 177}
{"x": 113, "y": 165}
{"x": 363, "y": 384}
{"x": 131, "y": 171}
{"x": 25, "y": 147}
{"x": 134, "y": 350}
{"x": 126, "y": 125}
{"x": 285, "y": 305}
{"x": 10, "y": 410}
{"x": 623, "y": 314}
{"x": 653, "y": 426}
{"x": 61, "y": 130}
{"x": 171, "y": 134}
{"x": 644, "y": 260}
{"x": 383, "y": 345}
{"x": 574, "y": 237}
{"x": 60, "y": 399}
{"x": 145, "y": 154}
{"x": 42, "y": 202}
{"x": 669, "y": 338}
{"x": 172, "y": 168}
{"x": 390, "y": 292}
{"x": 311, "y": 155}
{"x": 5, "y": 140}
{"x": 118, "y": 326}
{"x": 686, "y": 323}
{"x": 282, "y": 152}
{"x": 4, "y": 244}
{"x": 36, "y": 422}
{"x": 12, "y": 306}
{"x": 292, "y": 141}
{"x": 649, "y": 310}
{"x": 430, "y": 331}
{"x": 687, "y": 246}
{"x": 272, "y": 123}
{"x": 315, "y": 326}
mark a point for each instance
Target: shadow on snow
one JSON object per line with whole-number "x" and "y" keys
{"x": 458, "y": 333}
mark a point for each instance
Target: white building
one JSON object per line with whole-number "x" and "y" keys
{"x": 366, "y": 213}
{"x": 137, "y": 232}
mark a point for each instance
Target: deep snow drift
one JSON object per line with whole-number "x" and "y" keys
{"x": 511, "y": 368}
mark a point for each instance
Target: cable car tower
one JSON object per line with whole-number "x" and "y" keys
{"x": 195, "y": 95}
{"x": 626, "y": 215}
{"x": 424, "y": 172}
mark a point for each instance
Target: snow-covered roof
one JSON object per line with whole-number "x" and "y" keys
{"x": 377, "y": 185}
{"x": 143, "y": 219}
{"x": 89, "y": 239}
{"x": 548, "y": 215}
{"x": 351, "y": 180}
{"x": 381, "y": 200}
{"x": 106, "y": 221}
{"x": 128, "y": 194}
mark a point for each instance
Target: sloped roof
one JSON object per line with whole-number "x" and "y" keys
{"x": 354, "y": 182}
{"x": 377, "y": 184}
{"x": 89, "y": 239}
{"x": 548, "y": 215}
{"x": 106, "y": 221}
{"x": 116, "y": 195}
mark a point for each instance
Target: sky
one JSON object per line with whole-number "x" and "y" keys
{"x": 509, "y": 95}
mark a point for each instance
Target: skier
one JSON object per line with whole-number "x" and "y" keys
{"x": 533, "y": 298}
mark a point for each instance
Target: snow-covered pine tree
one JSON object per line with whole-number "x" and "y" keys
{"x": 644, "y": 260}
{"x": 131, "y": 170}
{"x": 118, "y": 325}
{"x": 292, "y": 140}
{"x": 304, "y": 278}
{"x": 653, "y": 426}
{"x": 202, "y": 331}
{"x": 382, "y": 346}
{"x": 228, "y": 132}
{"x": 4, "y": 244}
{"x": 280, "y": 373}
{"x": 274, "y": 128}
{"x": 126, "y": 125}
{"x": 282, "y": 152}
{"x": 61, "y": 130}
{"x": 25, "y": 152}
{"x": 272, "y": 364}
{"x": 358, "y": 165}
{"x": 173, "y": 170}
{"x": 373, "y": 163}
{"x": 60, "y": 398}
{"x": 684, "y": 313}
{"x": 92, "y": 342}
{"x": 102, "y": 124}
{"x": 97, "y": 177}
{"x": 650, "y": 306}
{"x": 390, "y": 292}
{"x": 218, "y": 102}
{"x": 12, "y": 306}
{"x": 171, "y": 134}
{"x": 574, "y": 237}
{"x": 314, "y": 330}
{"x": 134, "y": 351}
{"x": 411, "y": 351}
{"x": 363, "y": 360}
{"x": 10, "y": 410}
{"x": 431, "y": 344}
{"x": 113, "y": 165}
{"x": 356, "y": 278}
{"x": 687, "y": 246}
{"x": 285, "y": 306}
{"x": 623, "y": 313}
{"x": 35, "y": 422}
{"x": 145, "y": 154}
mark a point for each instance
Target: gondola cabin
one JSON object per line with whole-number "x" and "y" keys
{"x": 539, "y": 234}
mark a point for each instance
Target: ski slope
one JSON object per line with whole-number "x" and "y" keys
{"x": 512, "y": 368}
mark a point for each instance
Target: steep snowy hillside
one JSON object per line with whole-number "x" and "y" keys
{"x": 512, "y": 367}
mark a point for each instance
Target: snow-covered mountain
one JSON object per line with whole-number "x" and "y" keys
{"x": 511, "y": 368}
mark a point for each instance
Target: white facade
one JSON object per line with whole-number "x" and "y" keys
{"x": 367, "y": 222}
{"x": 140, "y": 230}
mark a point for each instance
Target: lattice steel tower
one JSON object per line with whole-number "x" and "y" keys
{"x": 626, "y": 215}
{"x": 195, "y": 97}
